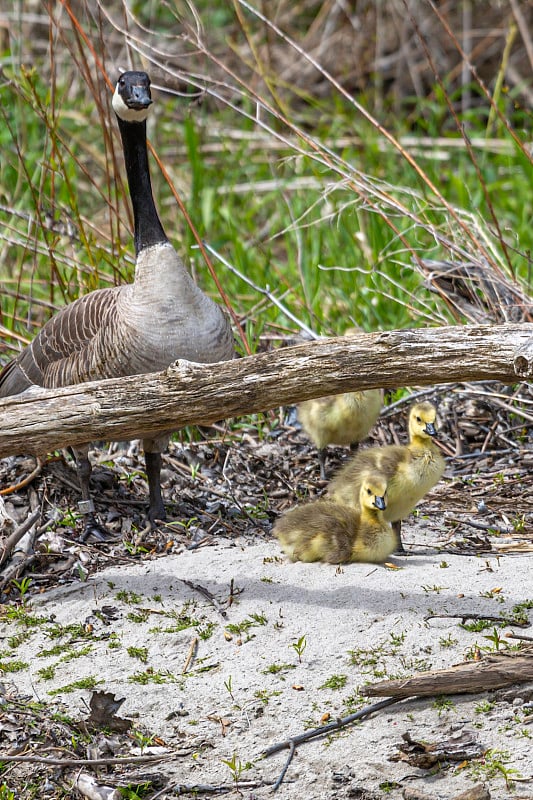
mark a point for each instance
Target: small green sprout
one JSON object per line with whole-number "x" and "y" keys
{"x": 299, "y": 647}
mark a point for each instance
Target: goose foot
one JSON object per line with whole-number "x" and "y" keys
{"x": 94, "y": 530}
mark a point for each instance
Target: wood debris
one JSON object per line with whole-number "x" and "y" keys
{"x": 493, "y": 672}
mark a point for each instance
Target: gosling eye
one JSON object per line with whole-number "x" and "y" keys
{"x": 369, "y": 491}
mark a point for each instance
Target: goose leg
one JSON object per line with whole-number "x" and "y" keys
{"x": 86, "y": 506}
{"x": 397, "y": 528}
{"x": 156, "y": 508}
{"x": 322, "y": 462}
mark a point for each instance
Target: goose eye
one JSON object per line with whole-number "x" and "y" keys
{"x": 419, "y": 419}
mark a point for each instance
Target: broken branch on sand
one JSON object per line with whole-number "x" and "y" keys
{"x": 494, "y": 672}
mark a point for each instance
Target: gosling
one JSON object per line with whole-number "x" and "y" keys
{"x": 326, "y": 531}
{"x": 410, "y": 470}
{"x": 339, "y": 419}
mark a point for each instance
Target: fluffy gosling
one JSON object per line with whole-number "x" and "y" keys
{"x": 410, "y": 470}
{"x": 326, "y": 531}
{"x": 339, "y": 419}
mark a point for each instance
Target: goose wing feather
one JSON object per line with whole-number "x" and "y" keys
{"x": 69, "y": 347}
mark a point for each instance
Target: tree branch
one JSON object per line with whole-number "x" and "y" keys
{"x": 187, "y": 394}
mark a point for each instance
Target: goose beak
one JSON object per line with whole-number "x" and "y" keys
{"x": 380, "y": 503}
{"x": 139, "y": 98}
{"x": 430, "y": 429}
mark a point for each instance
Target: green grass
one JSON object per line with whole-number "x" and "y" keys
{"x": 331, "y": 221}
{"x": 88, "y": 683}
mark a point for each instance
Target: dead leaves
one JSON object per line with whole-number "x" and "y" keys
{"x": 425, "y": 755}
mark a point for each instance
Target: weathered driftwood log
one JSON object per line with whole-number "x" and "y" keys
{"x": 189, "y": 393}
{"x": 471, "y": 677}
{"x": 477, "y": 792}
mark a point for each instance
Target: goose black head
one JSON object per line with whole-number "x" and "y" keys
{"x": 132, "y": 98}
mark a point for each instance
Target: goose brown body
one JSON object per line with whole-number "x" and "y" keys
{"x": 326, "y": 531}
{"x": 135, "y": 328}
{"x": 410, "y": 470}
{"x": 125, "y": 330}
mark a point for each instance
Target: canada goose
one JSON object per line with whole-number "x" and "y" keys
{"x": 339, "y": 419}
{"x": 326, "y": 531}
{"x": 410, "y": 470}
{"x": 134, "y": 328}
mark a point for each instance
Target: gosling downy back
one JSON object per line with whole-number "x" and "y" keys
{"x": 317, "y": 531}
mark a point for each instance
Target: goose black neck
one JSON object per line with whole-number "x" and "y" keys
{"x": 148, "y": 228}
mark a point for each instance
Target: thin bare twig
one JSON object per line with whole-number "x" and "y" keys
{"x": 86, "y": 762}
{"x": 486, "y": 527}
{"x": 488, "y": 617}
{"x": 292, "y": 750}
{"x": 196, "y": 788}
{"x": 207, "y": 594}
{"x": 17, "y": 535}
{"x": 191, "y": 655}
{"x": 24, "y": 482}
{"x": 521, "y": 636}
{"x": 323, "y": 730}
{"x": 264, "y": 291}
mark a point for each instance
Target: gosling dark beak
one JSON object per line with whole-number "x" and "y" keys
{"x": 139, "y": 98}
{"x": 430, "y": 429}
{"x": 380, "y": 503}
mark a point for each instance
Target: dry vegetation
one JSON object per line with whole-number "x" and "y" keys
{"x": 339, "y": 132}
{"x": 365, "y": 163}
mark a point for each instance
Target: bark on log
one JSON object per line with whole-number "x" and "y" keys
{"x": 477, "y": 792}
{"x": 186, "y": 393}
{"x": 470, "y": 677}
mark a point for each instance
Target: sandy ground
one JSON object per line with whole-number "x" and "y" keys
{"x": 248, "y": 687}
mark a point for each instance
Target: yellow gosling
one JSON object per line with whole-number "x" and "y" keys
{"x": 339, "y": 419}
{"x": 410, "y": 470}
{"x": 327, "y": 531}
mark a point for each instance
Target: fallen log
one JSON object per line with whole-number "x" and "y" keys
{"x": 186, "y": 393}
{"x": 477, "y": 792}
{"x": 494, "y": 672}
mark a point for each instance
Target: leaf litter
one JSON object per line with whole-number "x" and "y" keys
{"x": 193, "y": 625}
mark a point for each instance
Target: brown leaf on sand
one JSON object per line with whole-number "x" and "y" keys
{"x": 104, "y": 706}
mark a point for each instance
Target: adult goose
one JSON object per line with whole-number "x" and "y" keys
{"x": 134, "y": 328}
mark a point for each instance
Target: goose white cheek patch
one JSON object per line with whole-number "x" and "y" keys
{"x": 128, "y": 114}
